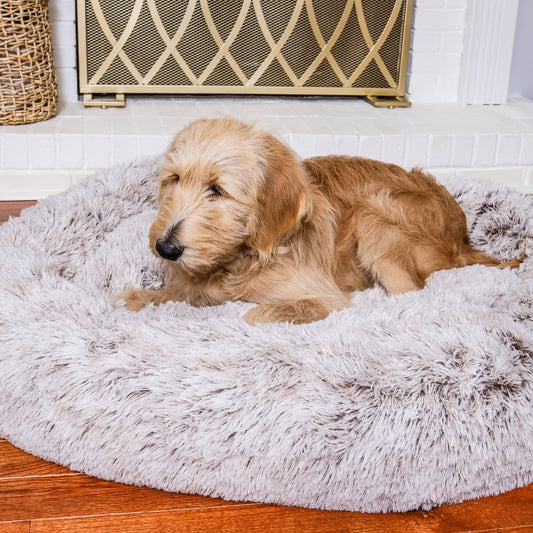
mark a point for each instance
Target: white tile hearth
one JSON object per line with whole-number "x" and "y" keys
{"x": 489, "y": 142}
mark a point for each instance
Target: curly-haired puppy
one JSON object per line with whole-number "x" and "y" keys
{"x": 241, "y": 217}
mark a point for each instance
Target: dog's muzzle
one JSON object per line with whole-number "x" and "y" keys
{"x": 168, "y": 249}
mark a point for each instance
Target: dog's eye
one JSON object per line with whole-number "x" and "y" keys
{"x": 176, "y": 178}
{"x": 214, "y": 191}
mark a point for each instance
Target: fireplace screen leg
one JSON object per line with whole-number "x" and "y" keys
{"x": 105, "y": 101}
{"x": 388, "y": 101}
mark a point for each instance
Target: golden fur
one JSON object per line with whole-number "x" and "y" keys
{"x": 242, "y": 218}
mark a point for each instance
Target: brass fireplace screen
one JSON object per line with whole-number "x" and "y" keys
{"x": 281, "y": 47}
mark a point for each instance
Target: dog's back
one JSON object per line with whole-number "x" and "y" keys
{"x": 403, "y": 225}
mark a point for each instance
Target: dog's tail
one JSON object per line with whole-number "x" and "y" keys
{"x": 475, "y": 257}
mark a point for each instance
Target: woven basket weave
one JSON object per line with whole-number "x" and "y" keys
{"x": 28, "y": 86}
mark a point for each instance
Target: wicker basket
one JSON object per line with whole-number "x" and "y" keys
{"x": 28, "y": 86}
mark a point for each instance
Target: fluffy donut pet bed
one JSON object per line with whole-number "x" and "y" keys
{"x": 395, "y": 403}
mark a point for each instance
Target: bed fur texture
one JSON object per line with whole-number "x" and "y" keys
{"x": 241, "y": 217}
{"x": 391, "y": 403}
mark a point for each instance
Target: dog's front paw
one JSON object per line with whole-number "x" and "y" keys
{"x": 135, "y": 299}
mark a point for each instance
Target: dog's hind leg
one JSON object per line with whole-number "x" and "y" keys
{"x": 396, "y": 278}
{"x": 388, "y": 258}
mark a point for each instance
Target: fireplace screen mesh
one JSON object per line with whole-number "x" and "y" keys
{"x": 354, "y": 47}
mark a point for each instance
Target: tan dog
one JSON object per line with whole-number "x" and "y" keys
{"x": 242, "y": 218}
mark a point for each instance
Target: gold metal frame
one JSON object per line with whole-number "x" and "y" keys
{"x": 391, "y": 96}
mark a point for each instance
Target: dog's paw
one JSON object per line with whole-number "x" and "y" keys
{"x": 135, "y": 299}
{"x": 255, "y": 316}
{"x": 300, "y": 312}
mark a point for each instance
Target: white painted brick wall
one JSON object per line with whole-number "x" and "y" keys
{"x": 63, "y": 22}
{"x": 436, "y": 50}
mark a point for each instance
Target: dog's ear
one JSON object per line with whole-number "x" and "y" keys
{"x": 283, "y": 199}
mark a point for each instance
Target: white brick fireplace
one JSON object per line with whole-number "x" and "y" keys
{"x": 439, "y": 132}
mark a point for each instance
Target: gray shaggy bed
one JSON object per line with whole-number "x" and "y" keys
{"x": 395, "y": 403}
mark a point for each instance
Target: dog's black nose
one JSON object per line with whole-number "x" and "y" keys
{"x": 168, "y": 250}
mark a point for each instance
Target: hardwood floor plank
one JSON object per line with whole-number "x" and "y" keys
{"x": 249, "y": 519}
{"x": 66, "y": 496}
{"x": 16, "y": 463}
{"x": 13, "y": 209}
{"x": 503, "y": 512}
{"x": 273, "y": 519}
{"x": 14, "y": 527}
{"x": 94, "y": 505}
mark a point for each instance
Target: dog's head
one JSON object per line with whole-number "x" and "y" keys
{"x": 224, "y": 186}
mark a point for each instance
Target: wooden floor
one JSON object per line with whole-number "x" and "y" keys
{"x": 8, "y": 209}
{"x": 41, "y": 497}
